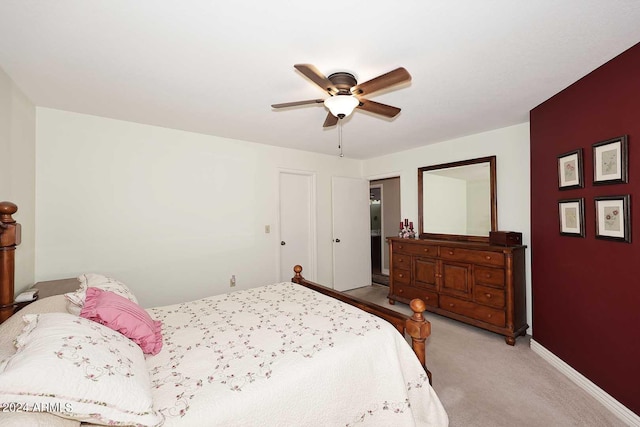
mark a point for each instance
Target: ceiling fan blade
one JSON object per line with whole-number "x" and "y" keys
{"x": 296, "y": 103}
{"x": 317, "y": 77}
{"x": 397, "y": 76}
{"x": 378, "y": 108}
{"x": 331, "y": 120}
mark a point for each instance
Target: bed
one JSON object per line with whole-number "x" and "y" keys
{"x": 291, "y": 353}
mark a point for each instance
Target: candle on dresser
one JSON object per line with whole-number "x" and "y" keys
{"x": 406, "y": 222}
{"x": 411, "y": 225}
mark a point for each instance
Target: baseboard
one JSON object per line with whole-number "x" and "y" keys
{"x": 617, "y": 408}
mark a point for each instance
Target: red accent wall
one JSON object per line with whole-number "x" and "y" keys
{"x": 586, "y": 291}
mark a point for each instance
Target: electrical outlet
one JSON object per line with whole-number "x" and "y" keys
{"x": 267, "y": 229}
{"x": 232, "y": 281}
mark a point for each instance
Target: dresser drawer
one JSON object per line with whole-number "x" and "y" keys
{"x": 475, "y": 311}
{"x": 415, "y": 249}
{"x": 401, "y": 261}
{"x": 409, "y": 292}
{"x": 472, "y": 256}
{"x": 488, "y": 276}
{"x": 488, "y": 296}
{"x": 401, "y": 276}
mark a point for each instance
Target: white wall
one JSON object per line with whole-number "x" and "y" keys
{"x": 510, "y": 145}
{"x": 17, "y": 171}
{"x": 172, "y": 214}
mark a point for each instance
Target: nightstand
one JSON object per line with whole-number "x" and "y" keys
{"x": 56, "y": 287}
{"x": 18, "y": 305}
{"x": 45, "y": 289}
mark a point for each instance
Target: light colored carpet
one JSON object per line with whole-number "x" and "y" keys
{"x": 484, "y": 382}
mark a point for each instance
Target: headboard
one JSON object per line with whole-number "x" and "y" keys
{"x": 9, "y": 239}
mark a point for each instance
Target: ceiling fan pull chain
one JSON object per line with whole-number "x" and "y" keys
{"x": 340, "y": 137}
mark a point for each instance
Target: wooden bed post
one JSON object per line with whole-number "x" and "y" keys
{"x": 419, "y": 329}
{"x": 9, "y": 239}
{"x": 297, "y": 278}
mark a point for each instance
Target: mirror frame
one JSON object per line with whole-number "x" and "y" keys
{"x": 494, "y": 202}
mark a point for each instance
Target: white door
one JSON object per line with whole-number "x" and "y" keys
{"x": 351, "y": 233}
{"x": 297, "y": 224}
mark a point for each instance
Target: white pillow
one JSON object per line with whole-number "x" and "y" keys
{"x": 78, "y": 369}
{"x": 76, "y": 299}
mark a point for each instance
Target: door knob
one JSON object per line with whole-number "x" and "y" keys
{"x": 337, "y": 240}
{"x": 282, "y": 243}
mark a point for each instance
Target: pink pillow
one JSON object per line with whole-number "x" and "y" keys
{"x": 124, "y": 316}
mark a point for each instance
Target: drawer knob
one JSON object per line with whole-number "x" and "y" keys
{"x": 400, "y": 275}
{"x": 488, "y": 257}
{"x": 426, "y": 250}
{"x": 488, "y": 275}
{"x": 489, "y": 316}
{"x": 451, "y": 304}
{"x": 400, "y": 260}
{"x": 450, "y": 252}
{"x": 400, "y": 247}
{"x": 400, "y": 291}
{"x": 426, "y": 298}
{"x": 488, "y": 295}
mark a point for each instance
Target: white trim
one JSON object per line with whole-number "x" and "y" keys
{"x": 381, "y": 188}
{"x": 384, "y": 176}
{"x": 617, "y": 408}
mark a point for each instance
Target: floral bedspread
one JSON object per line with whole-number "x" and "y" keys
{"x": 284, "y": 355}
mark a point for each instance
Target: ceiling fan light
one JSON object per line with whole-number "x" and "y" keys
{"x": 341, "y": 105}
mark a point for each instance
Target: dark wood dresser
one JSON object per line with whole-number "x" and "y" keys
{"x": 476, "y": 283}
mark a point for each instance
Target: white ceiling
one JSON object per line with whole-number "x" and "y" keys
{"x": 215, "y": 67}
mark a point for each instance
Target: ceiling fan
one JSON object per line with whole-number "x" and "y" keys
{"x": 346, "y": 94}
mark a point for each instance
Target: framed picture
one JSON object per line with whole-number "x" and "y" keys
{"x": 571, "y": 213}
{"x": 570, "y": 170}
{"x": 613, "y": 220}
{"x": 610, "y": 161}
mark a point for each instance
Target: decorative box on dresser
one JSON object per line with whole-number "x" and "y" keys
{"x": 473, "y": 282}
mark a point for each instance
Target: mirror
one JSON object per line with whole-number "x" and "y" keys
{"x": 457, "y": 201}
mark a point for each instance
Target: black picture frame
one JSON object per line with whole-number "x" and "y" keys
{"x": 613, "y": 218}
{"x": 571, "y": 217}
{"x": 610, "y": 162}
{"x": 570, "y": 170}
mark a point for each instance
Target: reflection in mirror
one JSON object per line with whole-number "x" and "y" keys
{"x": 457, "y": 200}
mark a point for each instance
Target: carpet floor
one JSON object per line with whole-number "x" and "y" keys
{"x": 483, "y": 382}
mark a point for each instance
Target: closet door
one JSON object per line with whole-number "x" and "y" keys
{"x": 351, "y": 233}
{"x": 297, "y": 224}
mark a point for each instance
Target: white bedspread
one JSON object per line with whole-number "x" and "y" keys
{"x": 283, "y": 355}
